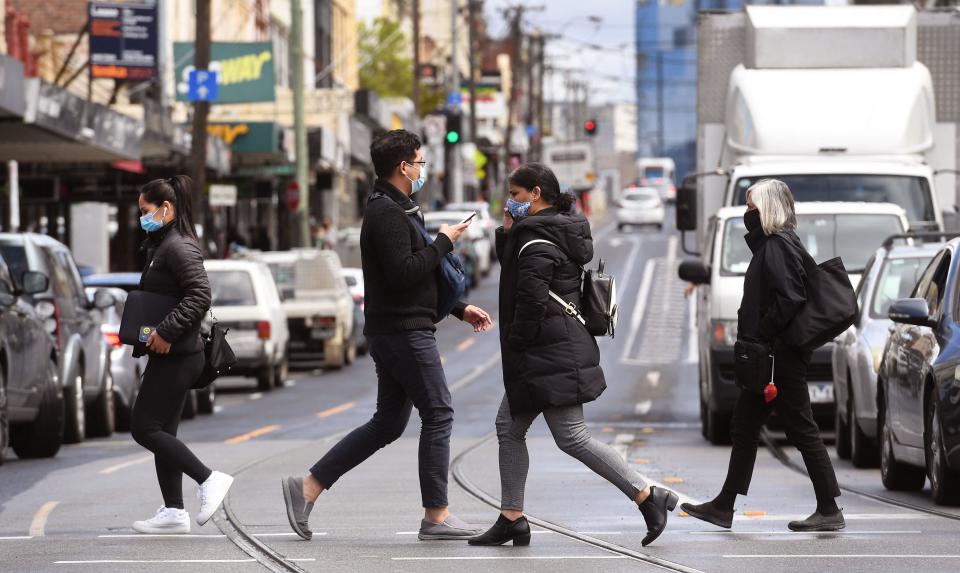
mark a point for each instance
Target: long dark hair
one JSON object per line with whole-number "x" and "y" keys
{"x": 178, "y": 190}
{"x": 530, "y": 175}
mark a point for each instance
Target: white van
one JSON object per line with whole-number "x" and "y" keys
{"x": 852, "y": 231}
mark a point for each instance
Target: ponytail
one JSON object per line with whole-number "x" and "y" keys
{"x": 178, "y": 190}
{"x": 530, "y": 175}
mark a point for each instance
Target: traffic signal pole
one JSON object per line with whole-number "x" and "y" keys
{"x": 454, "y": 170}
{"x": 299, "y": 125}
{"x": 201, "y": 110}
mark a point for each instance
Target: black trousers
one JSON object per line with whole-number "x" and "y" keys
{"x": 156, "y": 415}
{"x": 409, "y": 374}
{"x": 793, "y": 407}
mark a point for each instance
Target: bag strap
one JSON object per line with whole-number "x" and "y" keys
{"x": 568, "y": 307}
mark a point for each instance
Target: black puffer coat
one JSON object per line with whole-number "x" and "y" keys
{"x": 549, "y": 358}
{"x": 175, "y": 268}
{"x": 773, "y": 287}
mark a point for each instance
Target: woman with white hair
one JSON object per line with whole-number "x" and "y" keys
{"x": 773, "y": 292}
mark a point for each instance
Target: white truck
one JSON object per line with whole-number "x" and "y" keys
{"x": 573, "y": 165}
{"x": 852, "y": 103}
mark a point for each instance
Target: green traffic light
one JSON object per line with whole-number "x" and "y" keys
{"x": 453, "y": 137}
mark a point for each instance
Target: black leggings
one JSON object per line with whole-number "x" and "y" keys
{"x": 156, "y": 415}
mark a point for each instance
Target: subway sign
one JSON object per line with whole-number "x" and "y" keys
{"x": 245, "y": 71}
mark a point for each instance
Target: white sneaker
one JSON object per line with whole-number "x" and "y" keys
{"x": 168, "y": 520}
{"x": 211, "y": 494}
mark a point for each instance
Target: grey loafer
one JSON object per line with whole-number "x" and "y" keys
{"x": 819, "y": 522}
{"x": 298, "y": 510}
{"x": 452, "y": 529}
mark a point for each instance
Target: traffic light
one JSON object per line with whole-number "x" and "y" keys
{"x": 454, "y": 128}
{"x": 590, "y": 127}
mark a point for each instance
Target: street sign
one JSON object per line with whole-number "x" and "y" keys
{"x": 454, "y": 99}
{"x": 293, "y": 196}
{"x": 223, "y": 195}
{"x": 435, "y": 127}
{"x": 245, "y": 70}
{"x": 202, "y": 86}
{"x": 123, "y": 40}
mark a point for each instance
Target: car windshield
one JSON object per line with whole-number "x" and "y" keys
{"x": 897, "y": 279}
{"x": 852, "y": 237}
{"x": 16, "y": 257}
{"x": 911, "y": 193}
{"x": 232, "y": 288}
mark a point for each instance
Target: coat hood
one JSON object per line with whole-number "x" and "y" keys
{"x": 569, "y": 231}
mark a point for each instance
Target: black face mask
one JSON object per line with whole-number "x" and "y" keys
{"x": 751, "y": 220}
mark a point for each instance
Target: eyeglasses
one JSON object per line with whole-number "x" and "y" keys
{"x": 420, "y": 163}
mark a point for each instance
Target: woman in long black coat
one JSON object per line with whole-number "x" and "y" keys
{"x": 551, "y": 364}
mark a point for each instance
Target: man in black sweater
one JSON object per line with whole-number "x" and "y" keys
{"x": 400, "y": 272}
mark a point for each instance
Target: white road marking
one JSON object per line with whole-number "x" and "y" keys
{"x": 637, "y": 317}
{"x": 191, "y": 535}
{"x": 39, "y": 524}
{"x": 217, "y": 409}
{"x": 504, "y": 557}
{"x": 653, "y": 378}
{"x": 843, "y": 556}
{"x": 693, "y": 340}
{"x": 289, "y": 383}
{"x": 256, "y": 396}
{"x": 624, "y": 438}
{"x": 643, "y": 408}
{"x": 150, "y": 561}
{"x": 15, "y": 537}
{"x": 846, "y": 516}
{"x": 811, "y": 533}
{"x": 126, "y": 464}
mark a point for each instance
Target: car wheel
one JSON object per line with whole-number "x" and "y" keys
{"x": 42, "y": 437}
{"x": 206, "y": 399}
{"x": 620, "y": 228}
{"x": 265, "y": 379}
{"x": 190, "y": 406}
{"x": 282, "y": 372}
{"x": 350, "y": 352}
{"x": 718, "y": 428}
{"x": 4, "y": 421}
{"x": 864, "y": 452}
{"x": 102, "y": 411}
{"x": 333, "y": 353}
{"x": 944, "y": 484}
{"x": 896, "y": 476}
{"x": 659, "y": 226}
{"x": 703, "y": 419}
{"x": 75, "y": 429}
{"x": 842, "y": 428}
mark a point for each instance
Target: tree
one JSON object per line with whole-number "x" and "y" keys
{"x": 384, "y": 66}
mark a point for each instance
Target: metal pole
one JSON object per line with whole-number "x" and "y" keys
{"x": 299, "y": 127}
{"x": 201, "y": 109}
{"x": 13, "y": 175}
{"x": 473, "y": 5}
{"x": 454, "y": 171}
{"x": 416, "y": 57}
{"x": 660, "y": 143}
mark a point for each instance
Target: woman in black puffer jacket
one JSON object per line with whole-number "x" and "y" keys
{"x": 551, "y": 364}
{"x": 176, "y": 359}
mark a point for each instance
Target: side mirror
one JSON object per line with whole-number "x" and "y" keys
{"x": 911, "y": 311}
{"x": 695, "y": 272}
{"x": 103, "y": 299}
{"x": 34, "y": 282}
{"x": 687, "y": 205}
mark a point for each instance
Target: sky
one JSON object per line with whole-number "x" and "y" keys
{"x": 609, "y": 72}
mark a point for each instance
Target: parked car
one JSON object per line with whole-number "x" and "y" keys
{"x": 74, "y": 321}
{"x": 890, "y": 274}
{"x": 485, "y": 220}
{"x": 124, "y": 366}
{"x": 31, "y": 398}
{"x": 353, "y": 277}
{"x": 246, "y": 301}
{"x": 640, "y": 206}
{"x": 473, "y": 248}
{"x": 849, "y": 230}
{"x": 319, "y": 308}
{"x": 918, "y": 385}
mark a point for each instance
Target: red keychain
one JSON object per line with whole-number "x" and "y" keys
{"x": 770, "y": 390}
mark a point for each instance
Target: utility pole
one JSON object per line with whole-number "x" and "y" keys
{"x": 201, "y": 110}
{"x": 472, "y": 8}
{"x": 416, "y": 57}
{"x": 454, "y": 170}
{"x": 542, "y": 71}
{"x": 299, "y": 127}
{"x": 660, "y": 143}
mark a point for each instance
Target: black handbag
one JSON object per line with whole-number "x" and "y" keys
{"x": 752, "y": 366}
{"x": 830, "y": 309}
{"x": 218, "y": 356}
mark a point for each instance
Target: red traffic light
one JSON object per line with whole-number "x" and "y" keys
{"x": 590, "y": 127}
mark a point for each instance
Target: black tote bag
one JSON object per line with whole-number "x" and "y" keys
{"x": 830, "y": 309}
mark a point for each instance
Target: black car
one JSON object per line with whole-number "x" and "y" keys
{"x": 918, "y": 400}
{"x": 31, "y": 401}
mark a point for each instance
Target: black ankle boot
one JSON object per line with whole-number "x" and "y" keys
{"x": 503, "y": 531}
{"x": 655, "y": 510}
{"x": 710, "y": 513}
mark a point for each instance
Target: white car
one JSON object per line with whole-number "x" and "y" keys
{"x": 246, "y": 301}
{"x": 354, "y": 280}
{"x": 640, "y": 206}
{"x": 475, "y": 233}
{"x": 484, "y": 219}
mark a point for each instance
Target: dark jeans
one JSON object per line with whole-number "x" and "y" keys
{"x": 156, "y": 415}
{"x": 409, "y": 374}
{"x": 793, "y": 407}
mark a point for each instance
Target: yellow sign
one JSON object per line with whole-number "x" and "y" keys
{"x": 228, "y": 131}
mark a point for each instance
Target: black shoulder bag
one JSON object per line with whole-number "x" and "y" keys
{"x": 218, "y": 356}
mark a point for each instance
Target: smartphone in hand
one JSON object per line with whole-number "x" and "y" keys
{"x": 468, "y": 219}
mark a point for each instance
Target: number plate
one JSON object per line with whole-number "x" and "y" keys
{"x": 319, "y": 334}
{"x": 820, "y": 392}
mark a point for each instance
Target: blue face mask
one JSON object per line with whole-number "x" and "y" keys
{"x": 419, "y": 182}
{"x": 148, "y": 224}
{"x": 518, "y": 209}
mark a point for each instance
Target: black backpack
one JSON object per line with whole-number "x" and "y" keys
{"x": 598, "y": 298}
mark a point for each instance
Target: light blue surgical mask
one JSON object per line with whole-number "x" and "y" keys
{"x": 419, "y": 182}
{"x": 518, "y": 209}
{"x": 148, "y": 224}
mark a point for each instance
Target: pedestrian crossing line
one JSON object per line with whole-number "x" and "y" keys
{"x": 39, "y": 524}
{"x": 162, "y": 561}
{"x": 842, "y": 556}
{"x": 336, "y": 410}
{"x": 190, "y": 535}
{"x": 812, "y": 534}
{"x": 252, "y": 434}
{"x": 846, "y": 516}
{"x": 15, "y": 537}
{"x": 535, "y": 532}
{"x": 123, "y": 465}
{"x": 465, "y": 344}
{"x": 509, "y": 557}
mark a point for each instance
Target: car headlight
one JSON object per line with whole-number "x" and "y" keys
{"x": 723, "y": 332}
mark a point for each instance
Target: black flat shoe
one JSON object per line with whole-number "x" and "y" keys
{"x": 819, "y": 522}
{"x": 503, "y": 531}
{"x": 707, "y": 512}
{"x": 655, "y": 509}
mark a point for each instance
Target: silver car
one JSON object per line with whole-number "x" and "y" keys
{"x": 889, "y": 275}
